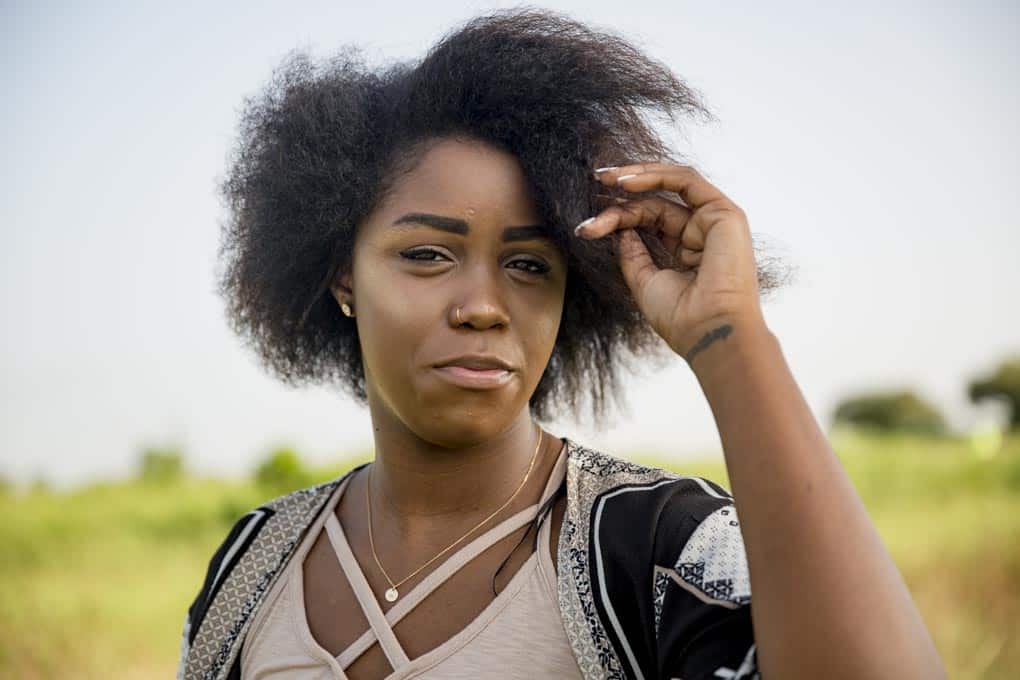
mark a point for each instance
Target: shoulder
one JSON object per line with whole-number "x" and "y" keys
{"x": 279, "y": 518}
{"x": 660, "y": 557}
{"x": 638, "y": 515}
{"x": 614, "y": 491}
{"x": 241, "y": 569}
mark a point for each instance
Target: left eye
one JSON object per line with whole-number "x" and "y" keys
{"x": 426, "y": 255}
{"x": 532, "y": 266}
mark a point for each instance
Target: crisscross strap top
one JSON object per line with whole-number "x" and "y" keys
{"x": 518, "y": 635}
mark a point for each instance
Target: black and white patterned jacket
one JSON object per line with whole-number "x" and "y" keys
{"x": 652, "y": 575}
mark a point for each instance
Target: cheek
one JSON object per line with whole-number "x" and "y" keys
{"x": 391, "y": 322}
{"x": 386, "y": 328}
{"x": 541, "y": 331}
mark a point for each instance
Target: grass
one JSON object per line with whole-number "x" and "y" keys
{"x": 94, "y": 583}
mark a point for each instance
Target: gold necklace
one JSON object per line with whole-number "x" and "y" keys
{"x": 391, "y": 593}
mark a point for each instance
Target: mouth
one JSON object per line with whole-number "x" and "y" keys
{"x": 474, "y": 378}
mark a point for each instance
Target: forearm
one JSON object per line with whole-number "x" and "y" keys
{"x": 827, "y": 599}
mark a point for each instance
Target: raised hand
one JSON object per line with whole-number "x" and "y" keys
{"x": 708, "y": 234}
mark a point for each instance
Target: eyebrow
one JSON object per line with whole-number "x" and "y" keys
{"x": 525, "y": 232}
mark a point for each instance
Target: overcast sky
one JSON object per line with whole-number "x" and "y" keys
{"x": 874, "y": 146}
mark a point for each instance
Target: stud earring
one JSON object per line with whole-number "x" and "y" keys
{"x": 346, "y": 308}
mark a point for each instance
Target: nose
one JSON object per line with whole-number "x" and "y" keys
{"x": 481, "y": 305}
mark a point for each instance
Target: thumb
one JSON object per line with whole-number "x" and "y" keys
{"x": 635, "y": 261}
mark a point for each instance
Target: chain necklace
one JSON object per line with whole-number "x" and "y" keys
{"x": 391, "y": 593}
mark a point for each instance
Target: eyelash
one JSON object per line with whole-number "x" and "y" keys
{"x": 409, "y": 254}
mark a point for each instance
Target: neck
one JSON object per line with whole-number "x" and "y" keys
{"x": 414, "y": 480}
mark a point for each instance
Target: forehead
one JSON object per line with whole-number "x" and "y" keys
{"x": 466, "y": 179}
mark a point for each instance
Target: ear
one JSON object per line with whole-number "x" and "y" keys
{"x": 341, "y": 288}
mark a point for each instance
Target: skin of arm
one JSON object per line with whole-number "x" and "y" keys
{"x": 827, "y": 598}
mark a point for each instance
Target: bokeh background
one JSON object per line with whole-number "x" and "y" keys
{"x": 874, "y": 147}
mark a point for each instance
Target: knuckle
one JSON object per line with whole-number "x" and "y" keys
{"x": 634, "y": 209}
{"x": 612, "y": 215}
{"x": 688, "y": 170}
{"x": 737, "y": 209}
{"x": 719, "y": 205}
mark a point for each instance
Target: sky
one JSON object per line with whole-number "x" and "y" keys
{"x": 874, "y": 147}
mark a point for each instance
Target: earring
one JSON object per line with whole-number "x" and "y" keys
{"x": 346, "y": 308}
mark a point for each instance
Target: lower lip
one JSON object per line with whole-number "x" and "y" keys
{"x": 475, "y": 378}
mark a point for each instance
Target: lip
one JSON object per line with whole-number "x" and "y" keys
{"x": 477, "y": 362}
{"x": 473, "y": 378}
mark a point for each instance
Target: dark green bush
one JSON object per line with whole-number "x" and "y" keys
{"x": 159, "y": 465}
{"x": 1002, "y": 384}
{"x": 282, "y": 471}
{"x": 901, "y": 411}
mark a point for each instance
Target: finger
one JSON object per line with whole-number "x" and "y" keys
{"x": 636, "y": 262}
{"x": 690, "y": 258}
{"x": 684, "y": 180}
{"x": 641, "y": 273}
{"x": 664, "y": 218}
{"x": 616, "y": 217}
{"x": 652, "y": 213}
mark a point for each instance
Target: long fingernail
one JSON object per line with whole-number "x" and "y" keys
{"x": 579, "y": 228}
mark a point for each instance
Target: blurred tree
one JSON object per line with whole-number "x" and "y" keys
{"x": 161, "y": 465}
{"x": 282, "y": 471}
{"x": 900, "y": 411}
{"x": 1003, "y": 384}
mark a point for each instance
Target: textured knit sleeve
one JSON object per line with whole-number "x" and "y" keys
{"x": 701, "y": 603}
{"x": 226, "y": 555}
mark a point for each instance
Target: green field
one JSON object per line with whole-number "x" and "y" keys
{"x": 95, "y": 582}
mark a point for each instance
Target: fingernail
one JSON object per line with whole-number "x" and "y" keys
{"x": 579, "y": 228}
{"x": 610, "y": 167}
{"x": 620, "y": 179}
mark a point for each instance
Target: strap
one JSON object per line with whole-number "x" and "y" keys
{"x": 369, "y": 605}
{"x": 432, "y": 580}
{"x": 545, "y": 548}
{"x": 435, "y": 578}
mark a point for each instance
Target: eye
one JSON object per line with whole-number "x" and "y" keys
{"x": 414, "y": 254}
{"x": 538, "y": 266}
{"x": 531, "y": 266}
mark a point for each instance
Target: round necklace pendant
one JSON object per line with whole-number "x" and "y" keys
{"x": 391, "y": 595}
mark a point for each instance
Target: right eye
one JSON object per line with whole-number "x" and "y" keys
{"x": 414, "y": 254}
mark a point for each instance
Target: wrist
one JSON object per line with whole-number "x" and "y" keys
{"x": 723, "y": 339}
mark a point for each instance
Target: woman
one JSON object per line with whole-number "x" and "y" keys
{"x": 411, "y": 235}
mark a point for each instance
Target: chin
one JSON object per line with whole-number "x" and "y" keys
{"x": 474, "y": 426}
{"x": 462, "y": 424}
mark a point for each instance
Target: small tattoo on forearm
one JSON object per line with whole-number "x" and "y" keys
{"x": 722, "y": 332}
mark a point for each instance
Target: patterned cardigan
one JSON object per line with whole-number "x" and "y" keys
{"x": 652, "y": 575}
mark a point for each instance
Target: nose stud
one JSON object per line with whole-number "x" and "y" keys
{"x": 459, "y": 321}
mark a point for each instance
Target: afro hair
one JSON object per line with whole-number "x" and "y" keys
{"x": 322, "y": 143}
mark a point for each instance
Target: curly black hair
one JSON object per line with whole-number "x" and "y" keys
{"x": 321, "y": 145}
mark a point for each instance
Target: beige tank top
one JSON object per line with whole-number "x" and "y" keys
{"x": 518, "y": 635}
